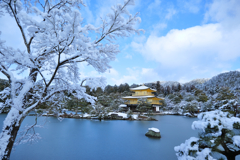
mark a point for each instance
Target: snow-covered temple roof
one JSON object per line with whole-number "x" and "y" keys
{"x": 134, "y": 97}
{"x": 142, "y": 88}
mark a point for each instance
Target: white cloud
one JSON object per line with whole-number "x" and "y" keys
{"x": 137, "y": 75}
{"x": 150, "y": 75}
{"x": 200, "y": 51}
{"x": 128, "y": 56}
{"x": 170, "y": 13}
{"x": 87, "y": 13}
{"x": 111, "y": 73}
{"x": 192, "y": 6}
{"x": 160, "y": 26}
{"x": 130, "y": 76}
{"x": 225, "y": 12}
{"x": 124, "y": 79}
{"x": 179, "y": 47}
{"x": 155, "y": 4}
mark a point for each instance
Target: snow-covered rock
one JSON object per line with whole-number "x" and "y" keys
{"x": 153, "y": 132}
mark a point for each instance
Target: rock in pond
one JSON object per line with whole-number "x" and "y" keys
{"x": 153, "y": 132}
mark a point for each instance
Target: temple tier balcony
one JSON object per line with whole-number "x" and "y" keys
{"x": 151, "y": 102}
{"x": 142, "y": 94}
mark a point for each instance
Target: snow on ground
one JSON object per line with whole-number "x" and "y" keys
{"x": 167, "y": 112}
{"x": 154, "y": 129}
{"x": 46, "y": 114}
{"x": 86, "y": 115}
{"x": 135, "y": 116}
{"x": 124, "y": 115}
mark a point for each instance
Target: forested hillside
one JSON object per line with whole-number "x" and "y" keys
{"x": 228, "y": 79}
{"x": 197, "y": 95}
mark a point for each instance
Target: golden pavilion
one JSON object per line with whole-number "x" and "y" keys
{"x": 143, "y": 92}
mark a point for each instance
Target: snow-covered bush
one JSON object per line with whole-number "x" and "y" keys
{"x": 129, "y": 113}
{"x": 188, "y": 97}
{"x": 100, "y": 111}
{"x": 217, "y": 134}
{"x": 192, "y": 107}
{"x": 207, "y": 106}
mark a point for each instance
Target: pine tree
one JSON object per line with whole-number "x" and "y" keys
{"x": 158, "y": 87}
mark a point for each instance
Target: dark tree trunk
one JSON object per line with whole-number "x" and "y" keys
{"x": 12, "y": 131}
{"x": 230, "y": 156}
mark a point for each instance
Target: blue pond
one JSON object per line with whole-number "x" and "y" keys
{"x": 104, "y": 140}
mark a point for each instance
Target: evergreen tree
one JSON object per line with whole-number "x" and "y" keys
{"x": 179, "y": 87}
{"x": 108, "y": 89}
{"x": 115, "y": 88}
{"x": 99, "y": 91}
{"x": 134, "y": 86}
{"x": 158, "y": 87}
{"x": 121, "y": 88}
{"x": 169, "y": 91}
{"x": 126, "y": 87}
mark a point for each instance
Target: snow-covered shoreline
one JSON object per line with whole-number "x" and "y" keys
{"x": 109, "y": 116}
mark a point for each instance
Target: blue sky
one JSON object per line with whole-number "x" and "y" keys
{"x": 183, "y": 40}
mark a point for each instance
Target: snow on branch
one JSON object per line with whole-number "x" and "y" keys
{"x": 190, "y": 151}
{"x": 219, "y": 119}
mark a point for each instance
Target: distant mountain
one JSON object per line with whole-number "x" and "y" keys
{"x": 164, "y": 83}
{"x": 229, "y": 79}
{"x": 169, "y": 83}
{"x": 196, "y": 82}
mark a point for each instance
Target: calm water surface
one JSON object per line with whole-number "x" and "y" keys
{"x": 104, "y": 140}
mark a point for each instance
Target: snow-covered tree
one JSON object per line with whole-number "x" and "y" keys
{"x": 191, "y": 107}
{"x": 219, "y": 132}
{"x": 56, "y": 40}
{"x": 100, "y": 111}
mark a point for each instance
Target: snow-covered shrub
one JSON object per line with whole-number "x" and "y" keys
{"x": 217, "y": 134}
{"x": 129, "y": 113}
{"x": 188, "y": 97}
{"x": 207, "y": 106}
{"x": 192, "y": 107}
